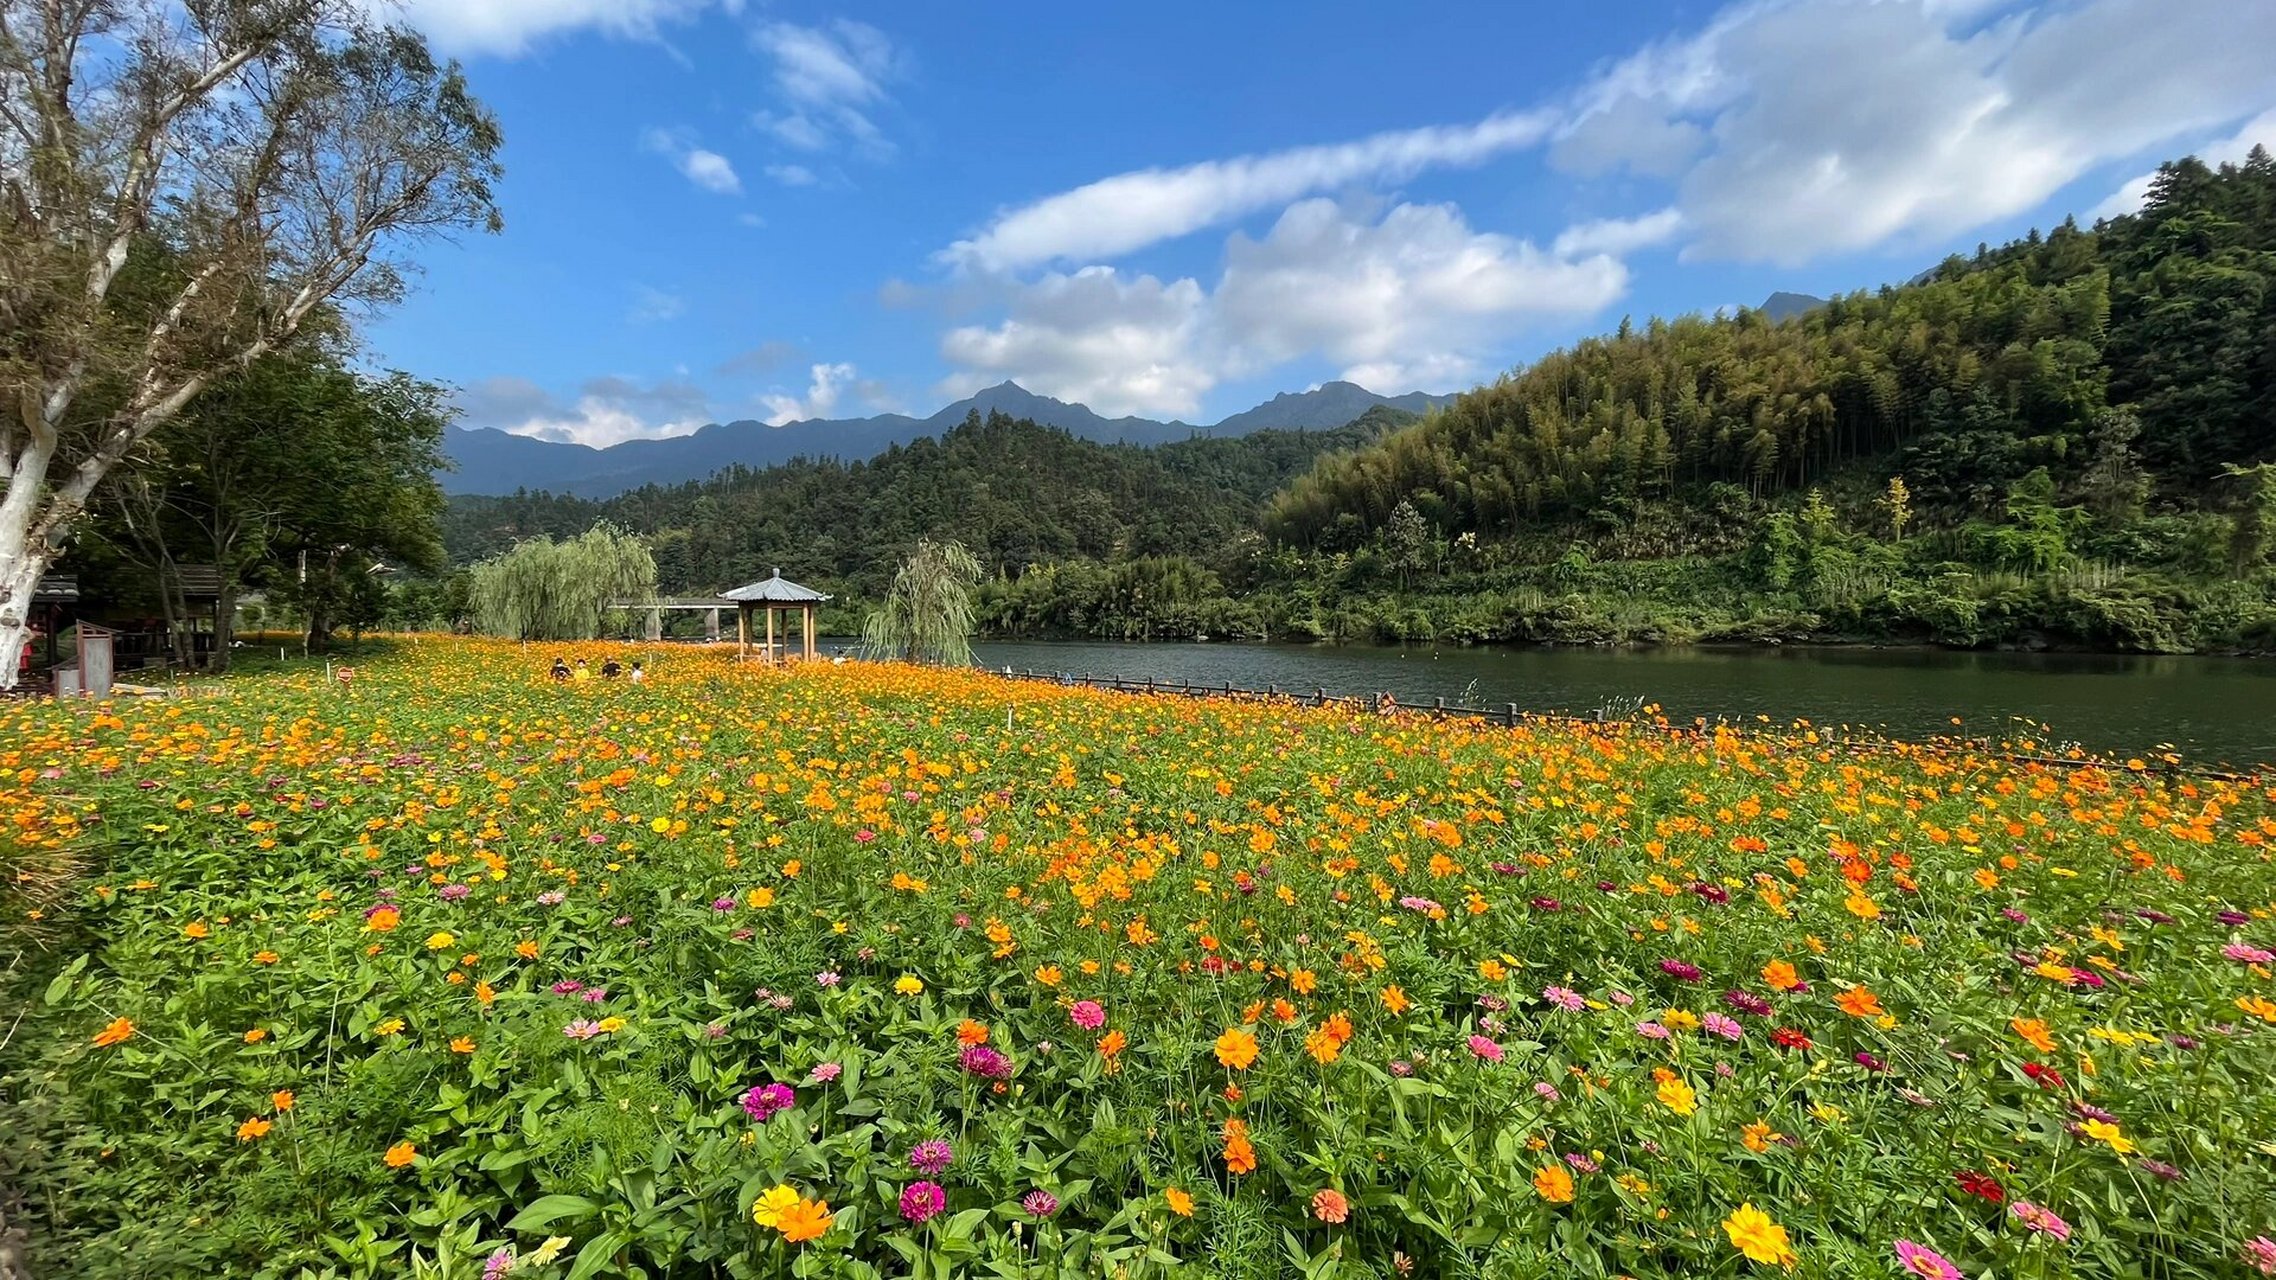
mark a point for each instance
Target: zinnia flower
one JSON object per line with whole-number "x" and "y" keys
{"x": 1565, "y": 998}
{"x": 2040, "y": 1220}
{"x": 983, "y": 1060}
{"x": 1680, "y": 971}
{"x": 1754, "y": 1234}
{"x": 1927, "y": 1263}
{"x": 1485, "y": 1048}
{"x": 921, "y": 1200}
{"x": 1720, "y": 1025}
{"x": 2260, "y": 1252}
{"x": 1329, "y": 1205}
{"x": 824, "y": 1072}
{"x": 763, "y": 1101}
{"x": 1983, "y": 1185}
{"x": 768, "y": 1209}
{"x": 1088, "y": 1014}
{"x": 933, "y": 1155}
{"x": 1039, "y": 1202}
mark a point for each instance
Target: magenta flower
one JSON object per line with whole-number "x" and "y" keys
{"x": 1926, "y": 1263}
{"x": 1564, "y": 998}
{"x": 1088, "y": 1014}
{"x": 983, "y": 1060}
{"x": 933, "y": 1155}
{"x": 1680, "y": 971}
{"x": 722, "y": 904}
{"x": 459, "y": 893}
{"x": 1039, "y": 1202}
{"x": 1485, "y": 1048}
{"x": 1748, "y": 1003}
{"x": 2040, "y": 1220}
{"x": 499, "y": 1264}
{"x": 763, "y": 1101}
{"x": 568, "y": 987}
{"x": 921, "y": 1200}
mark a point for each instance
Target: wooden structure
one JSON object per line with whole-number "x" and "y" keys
{"x": 89, "y": 675}
{"x": 709, "y": 606}
{"x": 774, "y": 595}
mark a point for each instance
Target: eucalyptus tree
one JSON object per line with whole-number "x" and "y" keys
{"x": 927, "y": 615}
{"x": 185, "y": 185}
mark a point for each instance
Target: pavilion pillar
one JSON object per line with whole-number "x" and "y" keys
{"x": 770, "y": 633}
{"x": 655, "y": 625}
{"x": 806, "y": 630}
{"x": 711, "y": 626}
{"x": 742, "y": 632}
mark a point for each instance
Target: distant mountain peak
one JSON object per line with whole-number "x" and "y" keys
{"x": 1783, "y": 305}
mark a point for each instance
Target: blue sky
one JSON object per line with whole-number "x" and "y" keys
{"x": 722, "y": 209}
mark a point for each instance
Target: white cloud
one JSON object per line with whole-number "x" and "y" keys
{"x": 653, "y": 306}
{"x": 509, "y": 27}
{"x": 706, "y": 169}
{"x": 2261, "y": 132}
{"x": 1129, "y": 211}
{"x": 1117, "y": 344}
{"x": 822, "y": 394}
{"x": 1413, "y": 299}
{"x": 1619, "y": 236}
{"x": 829, "y": 79}
{"x": 607, "y": 410}
{"x": 1834, "y": 127}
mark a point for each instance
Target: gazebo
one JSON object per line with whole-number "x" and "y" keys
{"x": 774, "y": 594}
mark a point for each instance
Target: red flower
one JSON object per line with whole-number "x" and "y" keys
{"x": 2047, "y": 1077}
{"x": 1981, "y": 1184}
{"x": 1789, "y": 1038}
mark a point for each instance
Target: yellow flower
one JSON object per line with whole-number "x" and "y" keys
{"x": 909, "y": 984}
{"x": 612, "y": 1024}
{"x": 1678, "y": 1096}
{"x": 388, "y": 1028}
{"x": 2105, "y": 1132}
{"x": 547, "y": 1252}
{"x": 441, "y": 940}
{"x": 1760, "y": 1239}
{"x": 768, "y": 1209}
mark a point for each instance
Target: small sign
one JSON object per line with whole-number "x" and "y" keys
{"x": 346, "y": 675}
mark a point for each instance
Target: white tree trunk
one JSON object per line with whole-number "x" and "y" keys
{"x": 23, "y": 556}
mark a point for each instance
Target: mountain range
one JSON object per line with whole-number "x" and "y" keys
{"x": 489, "y": 461}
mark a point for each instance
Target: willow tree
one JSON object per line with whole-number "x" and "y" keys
{"x": 186, "y": 186}
{"x": 927, "y": 616}
{"x": 547, "y": 590}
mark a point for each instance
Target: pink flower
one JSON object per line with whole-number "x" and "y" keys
{"x": 1088, "y": 1015}
{"x": 582, "y": 1029}
{"x": 1926, "y": 1263}
{"x": 1651, "y": 1030}
{"x": 1565, "y": 998}
{"x": 921, "y": 1200}
{"x": 1039, "y": 1202}
{"x": 933, "y": 1155}
{"x": 1546, "y": 1091}
{"x": 2260, "y": 1252}
{"x": 1485, "y": 1048}
{"x": 2040, "y": 1220}
{"x": 2245, "y": 954}
{"x": 1720, "y": 1025}
{"x": 865, "y": 835}
{"x": 824, "y": 1072}
{"x": 984, "y": 1061}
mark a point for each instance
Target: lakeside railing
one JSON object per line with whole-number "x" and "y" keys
{"x": 1510, "y": 715}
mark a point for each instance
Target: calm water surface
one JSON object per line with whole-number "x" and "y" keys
{"x": 2212, "y": 710}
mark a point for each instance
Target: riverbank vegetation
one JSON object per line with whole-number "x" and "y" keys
{"x": 881, "y": 970}
{"x": 2064, "y": 441}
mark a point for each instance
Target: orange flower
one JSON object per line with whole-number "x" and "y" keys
{"x": 402, "y": 1153}
{"x": 1240, "y": 1157}
{"x": 256, "y": 1035}
{"x": 805, "y": 1220}
{"x": 969, "y": 1032}
{"x": 1395, "y": 1000}
{"x": 1781, "y": 976}
{"x": 1283, "y": 1012}
{"x": 1180, "y": 1203}
{"x": 1860, "y": 1002}
{"x": 1328, "y": 1205}
{"x": 383, "y": 920}
{"x": 118, "y": 1032}
{"x": 1323, "y": 1046}
{"x": 1553, "y": 1184}
{"x": 462, "y": 1044}
{"x": 484, "y": 992}
{"x": 2034, "y": 1033}
{"x": 1236, "y": 1049}
{"x": 253, "y": 1129}
{"x": 265, "y": 957}
{"x": 526, "y": 949}
{"x": 282, "y": 1100}
{"x": 196, "y": 929}
{"x": 1050, "y": 975}
{"x": 1304, "y": 980}
{"x": 1112, "y": 1043}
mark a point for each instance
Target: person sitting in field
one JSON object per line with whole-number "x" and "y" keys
{"x": 638, "y": 676}
{"x": 611, "y": 669}
{"x": 560, "y": 671}
{"x": 584, "y": 673}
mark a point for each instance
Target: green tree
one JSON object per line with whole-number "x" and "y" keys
{"x": 927, "y": 615}
{"x": 2255, "y": 526}
{"x": 547, "y": 590}
{"x": 185, "y": 189}
{"x": 1896, "y": 502}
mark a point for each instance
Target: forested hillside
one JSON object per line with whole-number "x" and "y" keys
{"x": 2060, "y": 440}
{"x": 1021, "y": 496}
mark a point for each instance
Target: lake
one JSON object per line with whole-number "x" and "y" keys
{"x": 2211, "y": 710}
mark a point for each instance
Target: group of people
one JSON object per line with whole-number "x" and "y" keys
{"x": 610, "y": 670}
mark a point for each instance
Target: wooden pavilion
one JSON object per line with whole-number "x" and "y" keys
{"x": 774, "y": 595}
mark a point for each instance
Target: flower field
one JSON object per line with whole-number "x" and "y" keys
{"x": 874, "y": 970}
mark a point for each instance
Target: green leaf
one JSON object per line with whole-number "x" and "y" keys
{"x": 546, "y": 1210}
{"x": 62, "y": 982}
{"x": 596, "y": 1253}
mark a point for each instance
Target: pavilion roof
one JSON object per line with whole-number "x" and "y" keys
{"x": 774, "y": 590}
